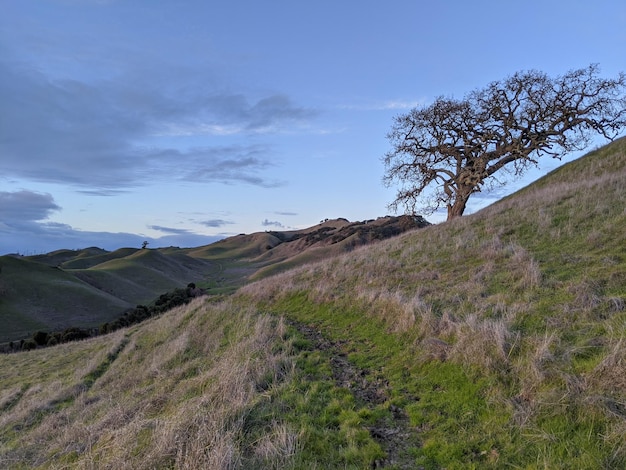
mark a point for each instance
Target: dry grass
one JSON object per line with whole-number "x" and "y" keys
{"x": 609, "y": 375}
{"x": 176, "y": 395}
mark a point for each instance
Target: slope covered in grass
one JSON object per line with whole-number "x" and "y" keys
{"x": 492, "y": 341}
{"x": 177, "y": 391}
{"x": 510, "y": 322}
{"x": 50, "y": 293}
{"x": 30, "y": 300}
{"x": 154, "y": 271}
{"x": 59, "y": 258}
{"x": 92, "y": 286}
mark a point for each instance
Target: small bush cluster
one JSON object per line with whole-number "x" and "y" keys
{"x": 164, "y": 303}
{"x": 42, "y": 339}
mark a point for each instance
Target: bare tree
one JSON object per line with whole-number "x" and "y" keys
{"x": 456, "y": 146}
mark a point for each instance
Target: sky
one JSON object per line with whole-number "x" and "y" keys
{"x": 183, "y": 122}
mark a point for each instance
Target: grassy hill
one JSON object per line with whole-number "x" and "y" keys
{"x": 491, "y": 341}
{"x": 35, "y": 296}
{"x": 86, "y": 288}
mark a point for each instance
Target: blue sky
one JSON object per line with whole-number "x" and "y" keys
{"x": 182, "y": 122}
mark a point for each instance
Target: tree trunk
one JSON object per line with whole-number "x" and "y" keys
{"x": 458, "y": 207}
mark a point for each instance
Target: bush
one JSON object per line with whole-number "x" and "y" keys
{"x": 74, "y": 334}
{"x": 41, "y": 338}
{"x": 29, "y": 344}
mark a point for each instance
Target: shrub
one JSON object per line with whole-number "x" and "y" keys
{"x": 41, "y": 338}
{"x": 74, "y": 334}
{"x": 29, "y": 344}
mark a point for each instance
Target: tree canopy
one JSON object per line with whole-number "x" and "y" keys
{"x": 456, "y": 147}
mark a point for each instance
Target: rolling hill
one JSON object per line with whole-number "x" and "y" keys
{"x": 48, "y": 292}
{"x": 491, "y": 341}
{"x": 88, "y": 287}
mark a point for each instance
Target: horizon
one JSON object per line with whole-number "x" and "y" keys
{"x": 128, "y": 122}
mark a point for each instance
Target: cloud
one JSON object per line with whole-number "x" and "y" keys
{"x": 170, "y": 230}
{"x": 285, "y": 213}
{"x": 399, "y": 104}
{"x": 112, "y": 133}
{"x": 226, "y": 164}
{"x": 216, "y": 223}
{"x": 63, "y": 131}
{"x": 269, "y": 223}
{"x": 227, "y": 114}
{"x": 384, "y": 105}
{"x": 269, "y": 114}
{"x": 101, "y": 192}
{"x": 23, "y": 206}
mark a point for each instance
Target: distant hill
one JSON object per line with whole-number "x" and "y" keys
{"x": 43, "y": 293}
{"x": 88, "y": 287}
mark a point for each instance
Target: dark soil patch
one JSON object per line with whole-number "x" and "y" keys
{"x": 394, "y": 433}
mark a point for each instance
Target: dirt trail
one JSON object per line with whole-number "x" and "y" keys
{"x": 394, "y": 434}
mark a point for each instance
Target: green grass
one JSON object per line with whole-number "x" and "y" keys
{"x": 445, "y": 403}
{"x": 330, "y": 426}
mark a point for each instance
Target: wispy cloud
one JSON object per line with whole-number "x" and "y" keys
{"x": 215, "y": 223}
{"x": 228, "y": 114}
{"x": 383, "y": 105}
{"x": 399, "y": 104}
{"x": 101, "y": 192}
{"x": 170, "y": 230}
{"x": 225, "y": 164}
{"x": 271, "y": 223}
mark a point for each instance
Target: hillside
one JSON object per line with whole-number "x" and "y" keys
{"x": 86, "y": 288}
{"x": 35, "y": 296}
{"x": 50, "y": 293}
{"x": 492, "y": 341}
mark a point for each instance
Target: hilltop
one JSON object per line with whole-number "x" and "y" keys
{"x": 89, "y": 287}
{"x": 495, "y": 340}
